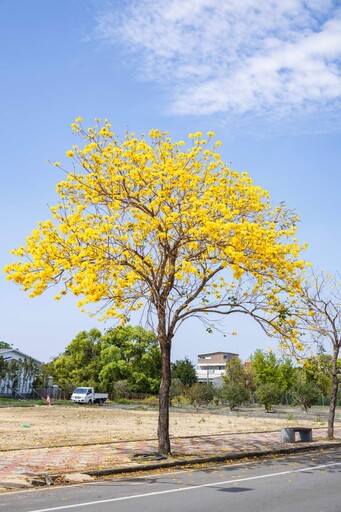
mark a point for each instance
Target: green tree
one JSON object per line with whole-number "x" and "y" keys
{"x": 29, "y": 371}
{"x": 235, "y": 393}
{"x": 184, "y": 370}
{"x": 265, "y": 366}
{"x": 124, "y": 353}
{"x": 3, "y": 368}
{"x": 234, "y": 372}
{"x": 4, "y": 344}
{"x": 13, "y": 372}
{"x": 270, "y": 369}
{"x": 234, "y": 389}
{"x": 201, "y": 393}
{"x": 305, "y": 394}
{"x": 79, "y": 364}
{"x": 268, "y": 395}
{"x": 131, "y": 354}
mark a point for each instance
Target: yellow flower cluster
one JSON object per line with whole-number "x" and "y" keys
{"x": 143, "y": 221}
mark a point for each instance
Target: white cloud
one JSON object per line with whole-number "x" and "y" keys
{"x": 236, "y": 55}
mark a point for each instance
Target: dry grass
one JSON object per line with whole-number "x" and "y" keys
{"x": 57, "y": 425}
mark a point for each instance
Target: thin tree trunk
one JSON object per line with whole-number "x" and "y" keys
{"x": 333, "y": 400}
{"x": 164, "y": 447}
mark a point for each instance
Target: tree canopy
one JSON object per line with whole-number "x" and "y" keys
{"x": 139, "y": 222}
{"x": 235, "y": 371}
{"x": 131, "y": 354}
{"x": 184, "y": 370}
{"x": 124, "y": 353}
{"x": 270, "y": 369}
{"x": 4, "y": 344}
{"x": 168, "y": 229}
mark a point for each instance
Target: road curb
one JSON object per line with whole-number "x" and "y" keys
{"x": 202, "y": 460}
{"x": 50, "y": 479}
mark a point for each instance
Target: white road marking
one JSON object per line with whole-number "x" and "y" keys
{"x": 183, "y": 489}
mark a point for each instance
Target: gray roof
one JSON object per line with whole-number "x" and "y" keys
{"x": 8, "y": 351}
{"x": 214, "y": 353}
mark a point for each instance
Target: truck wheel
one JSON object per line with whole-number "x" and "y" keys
{"x": 90, "y": 402}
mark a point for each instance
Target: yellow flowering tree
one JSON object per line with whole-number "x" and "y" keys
{"x": 165, "y": 228}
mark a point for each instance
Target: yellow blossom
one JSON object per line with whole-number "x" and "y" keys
{"x": 148, "y": 222}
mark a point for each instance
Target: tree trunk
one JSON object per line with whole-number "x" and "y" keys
{"x": 333, "y": 400}
{"x": 163, "y": 425}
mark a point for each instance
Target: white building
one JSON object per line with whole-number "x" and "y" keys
{"x": 211, "y": 366}
{"x": 15, "y": 383}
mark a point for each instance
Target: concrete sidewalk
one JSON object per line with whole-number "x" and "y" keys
{"x": 18, "y": 467}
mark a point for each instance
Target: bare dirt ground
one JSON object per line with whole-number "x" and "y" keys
{"x": 43, "y": 426}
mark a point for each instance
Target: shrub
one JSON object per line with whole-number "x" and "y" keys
{"x": 305, "y": 394}
{"x": 176, "y": 389}
{"x": 151, "y": 400}
{"x": 123, "y": 401}
{"x": 121, "y": 389}
{"x": 268, "y": 395}
{"x": 200, "y": 393}
{"x": 235, "y": 394}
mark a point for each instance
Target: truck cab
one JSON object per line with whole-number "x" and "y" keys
{"x": 86, "y": 395}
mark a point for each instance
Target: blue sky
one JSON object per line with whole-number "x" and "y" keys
{"x": 265, "y": 77}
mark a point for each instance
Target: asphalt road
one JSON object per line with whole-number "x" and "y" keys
{"x": 308, "y": 482}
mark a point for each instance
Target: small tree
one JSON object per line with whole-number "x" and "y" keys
{"x": 29, "y": 371}
{"x": 13, "y": 373}
{"x": 184, "y": 370}
{"x": 168, "y": 230}
{"x": 234, "y": 389}
{"x": 269, "y": 368}
{"x": 122, "y": 389}
{"x": 4, "y": 365}
{"x": 234, "y": 371}
{"x": 305, "y": 394}
{"x": 3, "y": 369}
{"x": 235, "y": 394}
{"x": 268, "y": 395}
{"x": 201, "y": 394}
{"x": 319, "y": 314}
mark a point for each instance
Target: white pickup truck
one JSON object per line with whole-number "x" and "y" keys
{"x": 88, "y": 396}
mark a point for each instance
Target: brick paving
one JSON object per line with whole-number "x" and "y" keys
{"x": 120, "y": 455}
